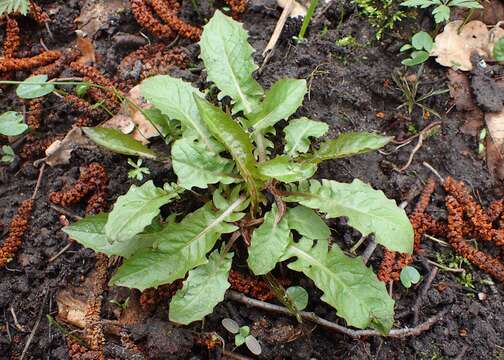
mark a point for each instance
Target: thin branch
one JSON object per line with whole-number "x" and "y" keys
{"x": 310, "y": 316}
{"x": 423, "y": 293}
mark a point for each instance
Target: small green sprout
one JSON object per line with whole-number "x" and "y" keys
{"x": 242, "y": 336}
{"x": 421, "y": 45}
{"x": 409, "y": 276}
{"x": 137, "y": 172}
{"x": 123, "y": 305}
{"x": 8, "y": 154}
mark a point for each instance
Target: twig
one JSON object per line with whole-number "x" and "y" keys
{"x": 232, "y": 355}
{"x": 413, "y": 152}
{"x": 310, "y": 316}
{"x": 60, "y": 252}
{"x": 35, "y": 327}
{"x": 429, "y": 166}
{"x": 423, "y": 131}
{"x": 14, "y": 317}
{"x": 65, "y": 212}
{"x": 276, "y": 33}
{"x": 39, "y": 180}
{"x": 423, "y": 293}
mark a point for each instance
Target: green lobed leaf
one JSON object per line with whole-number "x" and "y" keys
{"x": 409, "y": 275}
{"x": 12, "y": 6}
{"x": 175, "y": 98}
{"x": 135, "y": 210}
{"x": 280, "y": 102}
{"x": 116, "y": 141}
{"x": 268, "y": 243}
{"x": 498, "y": 50}
{"x": 179, "y": 248}
{"x": 347, "y": 144}
{"x": 348, "y": 285}
{"x": 368, "y": 210}
{"x": 12, "y": 124}
{"x": 298, "y": 133}
{"x": 34, "y": 87}
{"x": 307, "y": 223}
{"x": 298, "y": 296}
{"x": 284, "y": 169}
{"x": 235, "y": 140}
{"x": 468, "y": 4}
{"x": 228, "y": 60}
{"x": 422, "y": 41}
{"x": 417, "y": 57}
{"x": 203, "y": 289}
{"x": 90, "y": 233}
{"x": 441, "y": 13}
{"x": 195, "y": 166}
{"x": 415, "y": 3}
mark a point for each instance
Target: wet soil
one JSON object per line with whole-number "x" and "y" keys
{"x": 351, "y": 88}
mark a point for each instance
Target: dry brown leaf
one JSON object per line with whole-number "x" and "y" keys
{"x": 60, "y": 151}
{"x": 460, "y": 91}
{"x": 71, "y": 308}
{"x": 495, "y": 144}
{"x": 492, "y": 12}
{"x": 453, "y": 49}
{"x": 129, "y": 117}
{"x": 87, "y": 50}
{"x": 96, "y": 14}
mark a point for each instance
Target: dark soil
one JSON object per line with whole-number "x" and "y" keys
{"x": 349, "y": 88}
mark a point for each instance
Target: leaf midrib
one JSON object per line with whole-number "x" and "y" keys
{"x": 314, "y": 262}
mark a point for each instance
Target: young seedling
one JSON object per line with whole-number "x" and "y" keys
{"x": 421, "y": 45}
{"x": 242, "y": 336}
{"x": 12, "y": 124}
{"x": 138, "y": 171}
{"x": 409, "y": 276}
{"x": 7, "y": 154}
{"x": 231, "y": 152}
{"x": 441, "y": 10}
{"x": 411, "y": 97}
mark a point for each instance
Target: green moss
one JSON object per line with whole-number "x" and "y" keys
{"x": 382, "y": 14}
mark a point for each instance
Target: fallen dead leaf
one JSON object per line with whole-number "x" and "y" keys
{"x": 130, "y": 120}
{"x": 60, "y": 151}
{"x": 87, "y": 50}
{"x": 460, "y": 91}
{"x": 453, "y": 49}
{"x": 495, "y": 144}
{"x": 95, "y": 15}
